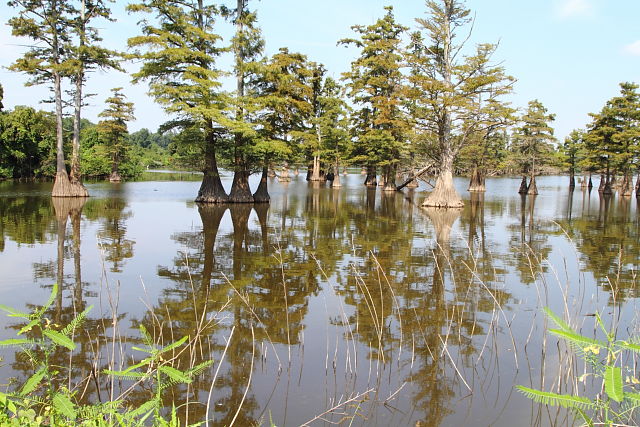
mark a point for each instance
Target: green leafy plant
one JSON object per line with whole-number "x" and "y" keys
{"x": 41, "y": 400}
{"x": 37, "y": 341}
{"x": 616, "y": 405}
{"x": 157, "y": 369}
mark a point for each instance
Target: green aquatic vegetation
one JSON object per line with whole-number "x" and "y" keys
{"x": 618, "y": 398}
{"x": 43, "y": 399}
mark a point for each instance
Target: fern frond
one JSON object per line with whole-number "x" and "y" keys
{"x": 76, "y": 322}
{"x": 558, "y": 321}
{"x": 554, "y": 399}
{"x": 174, "y": 345}
{"x": 39, "y": 313}
{"x": 577, "y": 339}
{"x": 149, "y": 405}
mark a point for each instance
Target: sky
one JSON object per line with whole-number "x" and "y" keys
{"x": 569, "y": 54}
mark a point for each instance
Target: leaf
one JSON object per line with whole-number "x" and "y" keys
{"x": 59, "y": 339}
{"x": 38, "y": 314}
{"x": 558, "y": 321}
{"x": 174, "y": 374}
{"x": 126, "y": 375}
{"x": 174, "y": 344}
{"x": 29, "y": 326}
{"x": 554, "y": 399}
{"x": 613, "y": 383}
{"x": 629, "y": 346}
{"x": 13, "y": 312}
{"x": 149, "y": 405}
{"x": 576, "y": 338}
{"x": 64, "y": 405}
{"x": 587, "y": 420}
{"x": 16, "y": 342}
{"x": 633, "y": 396}
{"x": 76, "y": 322}
{"x": 32, "y": 382}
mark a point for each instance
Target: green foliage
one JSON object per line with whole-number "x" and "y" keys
{"x": 42, "y": 400}
{"x": 375, "y": 84}
{"x": 602, "y": 358}
{"x": 532, "y": 145}
{"x": 113, "y": 129}
{"x": 27, "y": 143}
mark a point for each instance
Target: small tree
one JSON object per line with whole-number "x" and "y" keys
{"x": 113, "y": 130}
{"x": 571, "y": 151}
{"x": 532, "y": 143}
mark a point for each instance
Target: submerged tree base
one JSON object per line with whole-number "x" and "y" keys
{"x": 240, "y": 191}
{"x": 444, "y": 195}
{"x": 115, "y": 177}
{"x": 211, "y": 190}
{"x": 63, "y": 187}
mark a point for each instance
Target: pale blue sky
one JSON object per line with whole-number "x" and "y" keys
{"x": 569, "y": 54}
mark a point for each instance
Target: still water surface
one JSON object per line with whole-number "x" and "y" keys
{"x": 325, "y": 295}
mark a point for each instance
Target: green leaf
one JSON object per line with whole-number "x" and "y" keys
{"x": 554, "y": 399}
{"x": 13, "y": 312}
{"x": 174, "y": 345}
{"x": 64, "y": 405}
{"x": 38, "y": 314}
{"x": 32, "y": 382}
{"x": 633, "y": 396}
{"x": 558, "y": 321}
{"x": 174, "y": 374}
{"x": 59, "y": 339}
{"x": 29, "y": 326}
{"x": 576, "y": 339}
{"x": 76, "y": 322}
{"x": 613, "y": 383}
{"x": 628, "y": 346}
{"x": 587, "y": 420}
{"x": 16, "y": 342}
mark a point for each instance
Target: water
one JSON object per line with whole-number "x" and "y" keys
{"x": 347, "y": 299}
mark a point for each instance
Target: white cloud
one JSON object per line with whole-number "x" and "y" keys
{"x": 573, "y": 8}
{"x": 633, "y": 48}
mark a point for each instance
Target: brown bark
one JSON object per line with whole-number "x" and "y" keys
{"x": 370, "y": 180}
{"x": 572, "y": 180}
{"x": 638, "y": 185}
{"x": 590, "y": 185}
{"x": 211, "y": 189}
{"x": 533, "y": 188}
{"x": 336, "y": 179}
{"x": 262, "y": 193}
{"x": 284, "y": 175}
{"x": 584, "y": 182}
{"x": 524, "y": 187}
{"x": 115, "y": 177}
{"x": 602, "y": 183}
{"x": 296, "y": 172}
{"x": 316, "y": 175}
{"x": 476, "y": 183}
{"x": 444, "y": 195}
{"x": 240, "y": 191}
{"x": 625, "y": 187}
{"x": 389, "y": 179}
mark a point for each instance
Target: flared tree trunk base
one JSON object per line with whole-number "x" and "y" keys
{"x": 284, "y": 175}
{"x": 211, "y": 190}
{"x": 63, "y": 187}
{"x": 240, "y": 191}
{"x": 533, "y": 188}
{"x": 413, "y": 184}
{"x": 444, "y": 195}
{"x": 476, "y": 184}
{"x": 115, "y": 177}
{"x": 524, "y": 187}
{"x": 336, "y": 181}
{"x": 370, "y": 181}
{"x": 262, "y": 192}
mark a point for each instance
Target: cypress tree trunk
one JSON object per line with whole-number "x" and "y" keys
{"x": 370, "y": 180}
{"x": 211, "y": 189}
{"x": 638, "y": 186}
{"x": 607, "y": 190}
{"x": 602, "y": 183}
{"x": 476, "y": 184}
{"x": 444, "y": 195}
{"x": 584, "y": 183}
{"x": 572, "y": 180}
{"x": 315, "y": 170}
{"x": 625, "y": 188}
{"x": 115, "y": 175}
{"x": 389, "y": 179}
{"x": 524, "y": 187}
{"x": 336, "y": 179}
{"x": 533, "y": 188}
{"x": 262, "y": 193}
{"x": 240, "y": 191}
{"x": 590, "y": 186}
{"x": 284, "y": 175}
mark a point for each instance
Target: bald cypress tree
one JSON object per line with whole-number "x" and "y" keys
{"x": 375, "y": 84}
{"x": 451, "y": 94}
{"x": 86, "y": 55}
{"x": 532, "y": 142}
{"x": 179, "y": 52}
{"x": 47, "y": 23}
